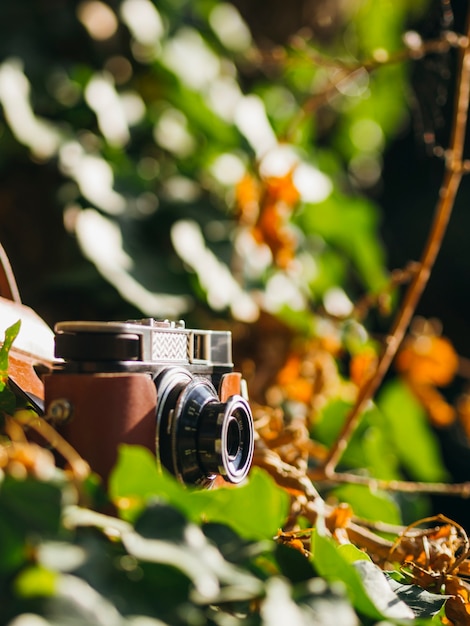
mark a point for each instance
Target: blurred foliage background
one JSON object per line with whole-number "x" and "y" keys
{"x": 257, "y": 166}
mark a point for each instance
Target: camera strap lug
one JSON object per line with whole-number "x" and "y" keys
{"x": 230, "y": 385}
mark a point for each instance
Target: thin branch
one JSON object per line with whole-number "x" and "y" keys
{"x": 461, "y": 490}
{"x": 454, "y": 169}
{"x": 285, "y": 475}
{"x": 346, "y": 72}
{"x": 78, "y": 465}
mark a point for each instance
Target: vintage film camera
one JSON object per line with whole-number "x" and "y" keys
{"x": 157, "y": 384}
{"x": 151, "y": 383}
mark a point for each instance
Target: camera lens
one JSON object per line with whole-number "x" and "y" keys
{"x": 198, "y": 436}
{"x": 234, "y": 438}
{"x": 225, "y": 438}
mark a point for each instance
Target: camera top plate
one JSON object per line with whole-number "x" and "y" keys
{"x": 147, "y": 340}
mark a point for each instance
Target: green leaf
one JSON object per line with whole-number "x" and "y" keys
{"x": 120, "y": 577}
{"x": 422, "y": 602}
{"x": 7, "y": 398}
{"x": 78, "y": 602}
{"x": 136, "y": 478}
{"x": 380, "y": 592}
{"x": 29, "y": 509}
{"x": 351, "y": 554}
{"x": 10, "y": 335}
{"x": 36, "y": 581}
{"x": 369, "y": 448}
{"x": 332, "y": 566}
{"x": 32, "y": 505}
{"x": 366, "y": 585}
{"x": 256, "y": 509}
{"x": 349, "y": 223}
{"x": 12, "y": 548}
{"x": 412, "y": 437}
{"x": 293, "y": 564}
{"x": 313, "y": 602}
{"x": 278, "y": 607}
{"x": 369, "y": 505}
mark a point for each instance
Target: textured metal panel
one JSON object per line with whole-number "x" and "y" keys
{"x": 168, "y": 346}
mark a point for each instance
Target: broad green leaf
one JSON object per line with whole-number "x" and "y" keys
{"x": 328, "y": 426}
{"x": 256, "y": 509}
{"x": 313, "y": 602}
{"x": 331, "y": 565}
{"x": 380, "y": 458}
{"x": 412, "y": 437}
{"x": 7, "y": 399}
{"x": 380, "y": 592}
{"x": 78, "y": 602}
{"x": 379, "y": 23}
{"x": 351, "y": 554}
{"x": 12, "y": 545}
{"x": 366, "y": 585}
{"x": 330, "y": 420}
{"x": 136, "y": 478}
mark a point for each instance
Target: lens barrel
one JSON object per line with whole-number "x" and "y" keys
{"x": 198, "y": 436}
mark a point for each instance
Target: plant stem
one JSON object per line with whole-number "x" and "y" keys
{"x": 461, "y": 490}
{"x": 454, "y": 169}
{"x": 347, "y": 72}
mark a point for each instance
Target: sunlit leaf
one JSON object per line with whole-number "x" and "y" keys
{"x": 367, "y": 587}
{"x": 255, "y": 509}
{"x": 368, "y": 448}
{"x": 7, "y": 398}
{"x": 36, "y": 581}
{"x": 351, "y": 554}
{"x": 137, "y": 478}
{"x": 10, "y": 335}
{"x": 333, "y": 567}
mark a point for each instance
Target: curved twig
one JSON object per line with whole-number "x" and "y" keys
{"x": 454, "y": 169}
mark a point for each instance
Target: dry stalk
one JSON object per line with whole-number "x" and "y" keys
{"x": 461, "y": 490}
{"x": 454, "y": 170}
